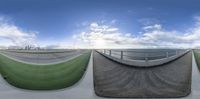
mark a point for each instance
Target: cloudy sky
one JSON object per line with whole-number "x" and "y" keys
{"x": 100, "y": 23}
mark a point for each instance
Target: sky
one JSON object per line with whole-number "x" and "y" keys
{"x": 100, "y": 23}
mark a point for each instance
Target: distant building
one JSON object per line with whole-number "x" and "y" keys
{"x": 30, "y": 47}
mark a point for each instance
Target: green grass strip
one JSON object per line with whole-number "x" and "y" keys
{"x": 48, "y": 77}
{"x": 197, "y": 58}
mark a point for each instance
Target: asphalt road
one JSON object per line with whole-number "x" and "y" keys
{"x": 42, "y": 59}
{"x": 82, "y": 90}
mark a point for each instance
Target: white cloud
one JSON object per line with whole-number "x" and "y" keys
{"x": 155, "y": 26}
{"x": 93, "y": 25}
{"x": 101, "y": 35}
{"x": 15, "y": 35}
{"x": 106, "y": 36}
{"x": 187, "y": 39}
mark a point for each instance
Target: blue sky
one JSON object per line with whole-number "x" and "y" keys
{"x": 74, "y": 23}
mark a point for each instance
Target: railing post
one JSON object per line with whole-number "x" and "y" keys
{"x": 176, "y": 52}
{"x": 110, "y": 52}
{"x": 146, "y": 57}
{"x": 167, "y": 54}
{"x": 104, "y": 51}
{"x": 121, "y": 55}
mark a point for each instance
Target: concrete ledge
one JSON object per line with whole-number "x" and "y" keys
{"x": 143, "y": 63}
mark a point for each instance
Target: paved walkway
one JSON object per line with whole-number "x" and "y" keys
{"x": 195, "y": 94}
{"x": 172, "y": 79}
{"x": 82, "y": 90}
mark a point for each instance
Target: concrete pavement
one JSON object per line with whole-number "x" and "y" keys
{"x": 172, "y": 79}
{"x": 82, "y": 90}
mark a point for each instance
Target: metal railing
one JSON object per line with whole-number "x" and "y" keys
{"x": 143, "y": 57}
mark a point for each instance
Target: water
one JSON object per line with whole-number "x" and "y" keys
{"x": 143, "y": 54}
